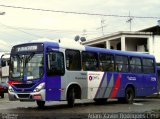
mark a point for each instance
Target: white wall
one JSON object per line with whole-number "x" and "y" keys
{"x": 156, "y": 47}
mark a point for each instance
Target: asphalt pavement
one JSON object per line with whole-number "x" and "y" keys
{"x": 142, "y": 107}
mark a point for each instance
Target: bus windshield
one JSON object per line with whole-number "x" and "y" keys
{"x": 29, "y": 65}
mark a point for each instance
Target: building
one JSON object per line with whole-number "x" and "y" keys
{"x": 144, "y": 41}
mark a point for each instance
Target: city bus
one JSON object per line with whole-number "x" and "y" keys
{"x": 55, "y": 71}
{"x": 4, "y": 66}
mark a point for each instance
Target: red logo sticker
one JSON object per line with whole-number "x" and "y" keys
{"x": 90, "y": 78}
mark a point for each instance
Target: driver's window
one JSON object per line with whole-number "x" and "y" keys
{"x": 55, "y": 63}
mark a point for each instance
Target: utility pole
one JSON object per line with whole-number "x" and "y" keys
{"x": 102, "y": 26}
{"x": 84, "y": 33}
{"x": 130, "y": 21}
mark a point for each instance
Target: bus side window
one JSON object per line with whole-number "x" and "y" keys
{"x": 89, "y": 61}
{"x": 73, "y": 60}
{"x": 148, "y": 66}
{"x": 122, "y": 64}
{"x": 3, "y": 63}
{"x": 106, "y": 62}
{"x": 55, "y": 63}
{"x": 135, "y": 65}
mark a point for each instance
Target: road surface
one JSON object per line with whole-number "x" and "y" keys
{"x": 83, "y": 109}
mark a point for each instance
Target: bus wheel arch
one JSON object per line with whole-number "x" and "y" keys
{"x": 73, "y": 92}
{"x": 129, "y": 93}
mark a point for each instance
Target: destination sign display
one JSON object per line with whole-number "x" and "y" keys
{"x": 27, "y": 48}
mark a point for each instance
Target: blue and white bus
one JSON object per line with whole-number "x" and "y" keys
{"x": 54, "y": 71}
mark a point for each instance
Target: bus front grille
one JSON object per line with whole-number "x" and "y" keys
{"x": 23, "y": 95}
{"x": 24, "y": 85}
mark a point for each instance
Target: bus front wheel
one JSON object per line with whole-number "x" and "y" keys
{"x": 71, "y": 97}
{"x": 40, "y": 104}
{"x": 129, "y": 95}
{"x": 2, "y": 95}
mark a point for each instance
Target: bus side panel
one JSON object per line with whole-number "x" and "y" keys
{"x": 138, "y": 84}
{"x": 150, "y": 86}
{"x": 53, "y": 86}
{"x": 108, "y": 86}
{"x": 110, "y": 79}
{"x": 74, "y": 78}
{"x": 117, "y": 89}
{"x": 130, "y": 79}
{"x": 97, "y": 82}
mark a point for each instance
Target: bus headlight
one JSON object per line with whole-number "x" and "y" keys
{"x": 39, "y": 87}
{"x": 10, "y": 89}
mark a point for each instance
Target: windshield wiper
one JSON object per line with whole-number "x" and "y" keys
{"x": 27, "y": 59}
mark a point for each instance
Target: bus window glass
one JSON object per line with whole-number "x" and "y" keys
{"x": 55, "y": 61}
{"x": 121, "y": 63}
{"x": 89, "y": 61}
{"x": 73, "y": 60}
{"x": 135, "y": 65}
{"x": 148, "y": 65}
{"x": 17, "y": 67}
{"x": 30, "y": 65}
{"x": 3, "y": 63}
{"x": 106, "y": 62}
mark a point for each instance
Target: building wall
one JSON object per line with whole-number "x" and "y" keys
{"x": 131, "y": 45}
{"x": 156, "y": 48}
{"x": 114, "y": 43}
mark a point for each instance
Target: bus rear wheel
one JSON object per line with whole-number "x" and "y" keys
{"x": 71, "y": 97}
{"x": 40, "y": 104}
{"x": 129, "y": 95}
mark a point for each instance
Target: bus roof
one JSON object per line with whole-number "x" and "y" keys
{"x": 76, "y": 45}
{"x": 118, "y": 52}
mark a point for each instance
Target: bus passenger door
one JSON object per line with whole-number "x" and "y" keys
{"x": 55, "y": 69}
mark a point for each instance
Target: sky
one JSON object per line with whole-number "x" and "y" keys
{"x": 24, "y": 25}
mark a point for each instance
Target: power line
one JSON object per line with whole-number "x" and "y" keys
{"x": 79, "y": 13}
{"x": 50, "y": 30}
{"x": 9, "y": 27}
{"x": 47, "y": 30}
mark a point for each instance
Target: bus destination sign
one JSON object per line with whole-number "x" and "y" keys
{"x": 28, "y": 48}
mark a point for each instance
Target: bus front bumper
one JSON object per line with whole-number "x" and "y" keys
{"x": 33, "y": 96}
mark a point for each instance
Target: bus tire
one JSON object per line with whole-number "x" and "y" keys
{"x": 71, "y": 97}
{"x": 40, "y": 104}
{"x": 129, "y": 95}
{"x": 2, "y": 95}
